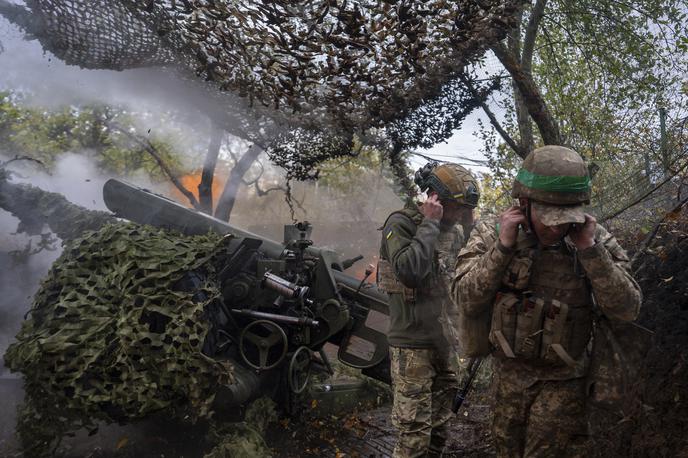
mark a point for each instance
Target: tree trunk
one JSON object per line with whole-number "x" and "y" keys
{"x": 531, "y": 96}
{"x": 522, "y": 53}
{"x": 226, "y": 202}
{"x": 525, "y": 129}
{"x": 205, "y": 187}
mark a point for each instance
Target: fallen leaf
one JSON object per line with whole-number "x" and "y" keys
{"x": 121, "y": 443}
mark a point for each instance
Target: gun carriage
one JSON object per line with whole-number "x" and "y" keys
{"x": 280, "y": 302}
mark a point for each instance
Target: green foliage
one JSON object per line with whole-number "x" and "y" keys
{"x": 337, "y": 172}
{"x": 359, "y": 177}
{"x": 107, "y": 134}
{"x": 605, "y": 68}
{"x": 495, "y": 195}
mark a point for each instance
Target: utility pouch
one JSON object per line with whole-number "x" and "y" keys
{"x": 388, "y": 282}
{"x": 517, "y": 276}
{"x": 503, "y": 328}
{"x": 555, "y": 334}
{"x": 529, "y": 328}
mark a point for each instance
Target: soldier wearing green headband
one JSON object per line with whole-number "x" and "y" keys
{"x": 419, "y": 247}
{"x": 532, "y": 280}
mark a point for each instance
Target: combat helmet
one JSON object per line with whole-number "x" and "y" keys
{"x": 556, "y": 180}
{"x": 450, "y": 182}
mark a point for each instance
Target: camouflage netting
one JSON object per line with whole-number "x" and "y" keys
{"x": 354, "y": 64}
{"x": 114, "y": 336}
{"x": 35, "y": 208}
{"x": 244, "y": 439}
{"x": 330, "y": 69}
{"x": 96, "y": 34}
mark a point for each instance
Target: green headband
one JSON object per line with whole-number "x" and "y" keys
{"x": 554, "y": 183}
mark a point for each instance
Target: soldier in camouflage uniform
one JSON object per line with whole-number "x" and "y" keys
{"x": 536, "y": 276}
{"x": 417, "y": 256}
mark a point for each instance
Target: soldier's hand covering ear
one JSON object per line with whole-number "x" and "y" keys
{"x": 432, "y": 208}
{"x": 509, "y": 221}
{"x": 583, "y": 235}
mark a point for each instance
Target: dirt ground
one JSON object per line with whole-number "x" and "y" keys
{"x": 370, "y": 434}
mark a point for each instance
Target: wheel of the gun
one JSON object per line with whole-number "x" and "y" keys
{"x": 276, "y": 336}
{"x": 299, "y": 370}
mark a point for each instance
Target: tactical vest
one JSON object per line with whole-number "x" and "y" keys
{"x": 448, "y": 242}
{"x": 544, "y": 311}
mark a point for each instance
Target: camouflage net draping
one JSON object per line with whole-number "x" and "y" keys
{"x": 350, "y": 64}
{"x": 328, "y": 69}
{"x": 35, "y": 208}
{"x": 113, "y": 336}
{"x": 96, "y": 34}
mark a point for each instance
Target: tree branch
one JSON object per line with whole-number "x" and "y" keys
{"x": 493, "y": 120}
{"x": 536, "y": 15}
{"x": 531, "y": 96}
{"x": 22, "y": 158}
{"x": 150, "y": 149}
{"x": 653, "y": 233}
{"x": 265, "y": 192}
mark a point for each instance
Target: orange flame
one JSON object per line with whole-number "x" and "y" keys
{"x": 191, "y": 182}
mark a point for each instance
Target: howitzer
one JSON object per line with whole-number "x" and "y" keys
{"x": 281, "y": 302}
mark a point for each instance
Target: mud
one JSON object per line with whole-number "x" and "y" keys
{"x": 370, "y": 434}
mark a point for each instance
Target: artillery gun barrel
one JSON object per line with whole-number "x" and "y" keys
{"x": 145, "y": 207}
{"x": 299, "y": 321}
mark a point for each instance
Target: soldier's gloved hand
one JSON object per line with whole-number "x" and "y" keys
{"x": 509, "y": 221}
{"x": 583, "y": 235}
{"x": 432, "y": 208}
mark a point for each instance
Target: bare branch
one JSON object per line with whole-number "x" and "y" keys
{"x": 648, "y": 239}
{"x": 152, "y": 150}
{"x": 531, "y": 33}
{"x": 22, "y": 158}
{"x": 265, "y": 192}
{"x": 493, "y": 120}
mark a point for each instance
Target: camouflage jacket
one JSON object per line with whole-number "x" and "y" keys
{"x": 420, "y": 256}
{"x": 485, "y": 267}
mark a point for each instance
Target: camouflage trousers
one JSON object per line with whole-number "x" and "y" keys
{"x": 545, "y": 419}
{"x": 424, "y": 387}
